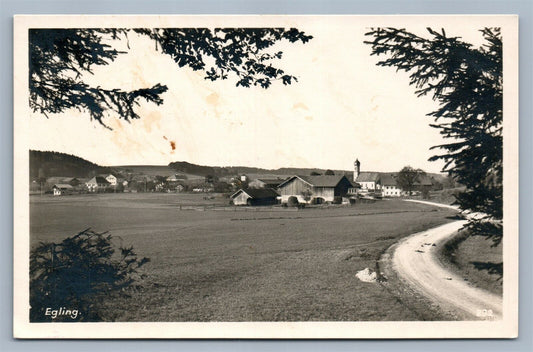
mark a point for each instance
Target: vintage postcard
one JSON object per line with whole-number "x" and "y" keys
{"x": 266, "y": 176}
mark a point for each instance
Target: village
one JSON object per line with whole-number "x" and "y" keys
{"x": 246, "y": 189}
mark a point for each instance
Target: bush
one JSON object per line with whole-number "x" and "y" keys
{"x": 292, "y": 201}
{"x": 337, "y": 200}
{"x": 78, "y": 274}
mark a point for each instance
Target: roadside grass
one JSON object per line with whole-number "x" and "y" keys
{"x": 474, "y": 258}
{"x": 213, "y": 266}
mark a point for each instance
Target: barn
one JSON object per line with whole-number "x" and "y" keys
{"x": 251, "y": 196}
{"x": 320, "y": 188}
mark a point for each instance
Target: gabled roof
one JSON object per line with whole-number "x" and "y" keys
{"x": 317, "y": 181}
{"x": 257, "y": 193}
{"x": 98, "y": 179}
{"x": 388, "y": 179}
{"x": 62, "y": 186}
{"x": 271, "y": 180}
{"x": 366, "y": 176}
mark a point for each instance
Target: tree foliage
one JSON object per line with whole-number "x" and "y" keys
{"x": 408, "y": 177}
{"x": 79, "y": 273}
{"x": 58, "y": 59}
{"x": 466, "y": 81}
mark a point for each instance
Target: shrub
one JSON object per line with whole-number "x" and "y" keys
{"x": 292, "y": 201}
{"x": 337, "y": 200}
{"x": 78, "y": 274}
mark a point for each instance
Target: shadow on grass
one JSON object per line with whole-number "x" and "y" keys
{"x": 455, "y": 217}
{"x": 490, "y": 267}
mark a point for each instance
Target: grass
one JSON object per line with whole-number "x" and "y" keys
{"x": 244, "y": 266}
{"x": 474, "y": 258}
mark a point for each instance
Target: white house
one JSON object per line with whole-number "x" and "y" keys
{"x": 61, "y": 189}
{"x": 389, "y": 187}
{"x": 111, "y": 179}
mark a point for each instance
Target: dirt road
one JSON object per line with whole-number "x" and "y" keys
{"x": 415, "y": 261}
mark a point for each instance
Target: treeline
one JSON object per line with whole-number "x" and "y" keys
{"x": 185, "y": 167}
{"x": 45, "y": 164}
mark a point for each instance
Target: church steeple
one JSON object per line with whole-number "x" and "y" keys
{"x": 357, "y": 169}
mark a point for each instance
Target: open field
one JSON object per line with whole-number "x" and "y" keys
{"x": 269, "y": 265}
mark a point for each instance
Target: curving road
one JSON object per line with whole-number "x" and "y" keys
{"x": 415, "y": 261}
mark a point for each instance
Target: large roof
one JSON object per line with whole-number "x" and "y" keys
{"x": 99, "y": 179}
{"x": 257, "y": 193}
{"x": 318, "y": 181}
{"x": 388, "y": 179}
{"x": 271, "y": 181}
{"x": 366, "y": 176}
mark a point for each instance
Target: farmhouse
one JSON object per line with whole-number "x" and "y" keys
{"x": 97, "y": 184}
{"x": 314, "y": 188}
{"x": 255, "y": 196}
{"x": 389, "y": 187}
{"x": 62, "y": 189}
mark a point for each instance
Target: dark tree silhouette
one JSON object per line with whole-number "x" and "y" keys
{"x": 466, "y": 81}
{"x": 329, "y": 172}
{"x": 80, "y": 273}
{"x": 59, "y": 57}
{"x": 408, "y": 177}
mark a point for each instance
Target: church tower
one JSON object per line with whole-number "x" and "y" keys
{"x": 357, "y": 169}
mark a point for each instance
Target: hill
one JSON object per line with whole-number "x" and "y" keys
{"x": 186, "y": 167}
{"x": 47, "y": 164}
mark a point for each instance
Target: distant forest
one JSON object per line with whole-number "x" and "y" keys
{"x": 44, "y": 164}
{"x": 48, "y": 164}
{"x": 185, "y": 167}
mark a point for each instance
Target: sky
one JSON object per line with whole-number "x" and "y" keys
{"x": 343, "y": 107}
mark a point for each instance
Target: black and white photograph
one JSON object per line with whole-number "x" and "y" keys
{"x": 266, "y": 176}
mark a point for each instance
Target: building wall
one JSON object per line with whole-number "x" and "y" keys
{"x": 391, "y": 191}
{"x": 369, "y": 185}
{"x": 296, "y": 187}
{"x": 241, "y": 199}
{"x": 328, "y": 193}
{"x": 342, "y": 188}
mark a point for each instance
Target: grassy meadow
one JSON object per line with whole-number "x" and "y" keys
{"x": 270, "y": 264}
